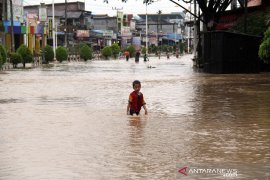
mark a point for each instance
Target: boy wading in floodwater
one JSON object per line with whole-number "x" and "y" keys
{"x": 136, "y": 100}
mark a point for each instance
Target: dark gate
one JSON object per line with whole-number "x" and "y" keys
{"x": 226, "y": 52}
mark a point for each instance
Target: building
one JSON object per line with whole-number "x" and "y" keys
{"x": 19, "y": 28}
{"x": 72, "y": 22}
{"x": 162, "y": 28}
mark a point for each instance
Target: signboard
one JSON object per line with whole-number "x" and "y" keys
{"x": 226, "y": 21}
{"x": 42, "y": 12}
{"x": 107, "y": 33}
{"x": 125, "y": 32}
{"x": 136, "y": 42}
{"x": 32, "y": 19}
{"x": 50, "y": 28}
{"x": 17, "y": 6}
{"x": 254, "y": 3}
{"x": 82, "y": 33}
{"x": 132, "y": 25}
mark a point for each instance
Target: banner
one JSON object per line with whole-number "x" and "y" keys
{"x": 82, "y": 33}
{"x": 50, "y": 35}
{"x": 136, "y": 42}
{"x": 42, "y": 12}
{"x": 254, "y": 3}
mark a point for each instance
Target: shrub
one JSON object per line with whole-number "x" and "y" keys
{"x": 85, "y": 52}
{"x": 1, "y": 61}
{"x": 26, "y": 54}
{"x": 144, "y": 50}
{"x": 3, "y": 53}
{"x": 15, "y": 58}
{"x": 153, "y": 49}
{"x": 264, "y": 50}
{"x": 115, "y": 50}
{"x": 106, "y": 52}
{"x": 61, "y": 54}
{"x": 49, "y": 54}
{"x": 131, "y": 49}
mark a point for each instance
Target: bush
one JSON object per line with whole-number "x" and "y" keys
{"x": 115, "y": 50}
{"x": 153, "y": 49}
{"x": 264, "y": 50}
{"x": 131, "y": 49}
{"x": 3, "y": 53}
{"x": 26, "y": 54}
{"x": 15, "y": 58}
{"x": 61, "y": 54}
{"x": 1, "y": 61}
{"x": 106, "y": 52}
{"x": 86, "y": 52}
{"x": 256, "y": 23}
{"x": 144, "y": 50}
{"x": 49, "y": 54}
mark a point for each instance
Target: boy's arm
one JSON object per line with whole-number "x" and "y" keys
{"x": 128, "y": 107}
{"x": 145, "y": 109}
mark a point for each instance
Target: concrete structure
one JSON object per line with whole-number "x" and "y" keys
{"x": 161, "y": 25}
{"x": 5, "y": 23}
{"x": 77, "y": 20}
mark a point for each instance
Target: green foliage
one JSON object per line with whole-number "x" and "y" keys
{"x": 15, "y": 58}
{"x": 153, "y": 49}
{"x": 115, "y": 50}
{"x": 106, "y": 51}
{"x": 182, "y": 47}
{"x": 3, "y": 53}
{"x": 144, "y": 50}
{"x": 167, "y": 48}
{"x": 86, "y": 52}
{"x": 131, "y": 49}
{"x": 264, "y": 50}
{"x": 61, "y": 54}
{"x": 256, "y": 23}
{"x": 1, "y": 61}
{"x": 49, "y": 54}
{"x": 26, "y": 54}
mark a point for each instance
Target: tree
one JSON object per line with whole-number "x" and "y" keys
{"x": 49, "y": 54}
{"x": 264, "y": 50}
{"x": 61, "y": 53}
{"x": 3, "y": 53}
{"x": 106, "y": 51}
{"x": 1, "y": 62}
{"x": 211, "y": 9}
{"x": 85, "y": 52}
{"x": 115, "y": 50}
{"x": 15, "y": 58}
{"x": 144, "y": 50}
{"x": 26, "y": 54}
{"x": 131, "y": 49}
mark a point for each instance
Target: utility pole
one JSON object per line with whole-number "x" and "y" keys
{"x": 146, "y": 30}
{"x": 66, "y": 23}
{"x": 245, "y": 17}
{"x": 159, "y": 13}
{"x": 11, "y": 29}
{"x": 53, "y": 25}
{"x": 195, "y": 32}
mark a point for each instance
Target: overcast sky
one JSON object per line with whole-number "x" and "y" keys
{"x": 131, "y": 7}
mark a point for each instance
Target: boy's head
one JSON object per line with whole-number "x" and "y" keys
{"x": 136, "y": 85}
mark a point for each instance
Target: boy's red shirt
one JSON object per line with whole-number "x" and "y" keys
{"x": 136, "y": 101}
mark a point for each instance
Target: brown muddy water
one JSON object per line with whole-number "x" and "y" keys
{"x": 69, "y": 121}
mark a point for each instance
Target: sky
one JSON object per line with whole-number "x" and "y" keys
{"x": 131, "y": 7}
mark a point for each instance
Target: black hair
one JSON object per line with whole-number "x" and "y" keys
{"x": 136, "y": 82}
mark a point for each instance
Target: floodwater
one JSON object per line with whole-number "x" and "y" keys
{"x": 69, "y": 122}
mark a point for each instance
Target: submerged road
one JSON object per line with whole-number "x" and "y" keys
{"x": 69, "y": 121}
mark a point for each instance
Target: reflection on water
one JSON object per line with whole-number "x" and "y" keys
{"x": 69, "y": 121}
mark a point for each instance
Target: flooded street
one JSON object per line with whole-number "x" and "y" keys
{"x": 69, "y": 122}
